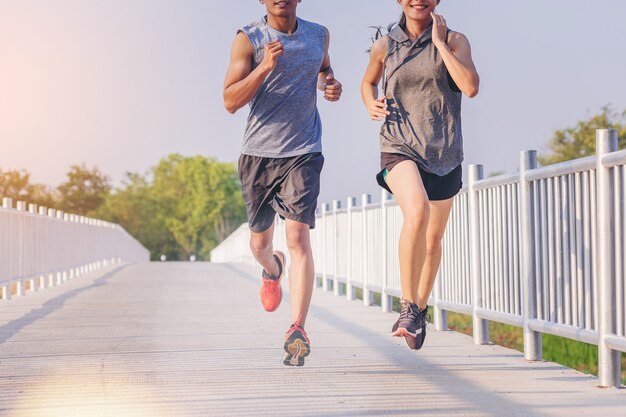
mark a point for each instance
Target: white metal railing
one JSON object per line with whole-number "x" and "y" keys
{"x": 41, "y": 247}
{"x": 543, "y": 249}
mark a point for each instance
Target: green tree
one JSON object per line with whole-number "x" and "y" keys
{"x": 42, "y": 195}
{"x": 198, "y": 201}
{"x": 133, "y": 207}
{"x": 580, "y": 141}
{"x": 84, "y": 191}
{"x": 16, "y": 184}
{"x": 184, "y": 206}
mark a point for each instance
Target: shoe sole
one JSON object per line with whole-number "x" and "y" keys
{"x": 297, "y": 349}
{"x": 411, "y": 338}
{"x": 402, "y": 332}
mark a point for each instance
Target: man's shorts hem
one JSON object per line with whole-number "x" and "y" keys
{"x": 296, "y": 218}
{"x": 282, "y": 215}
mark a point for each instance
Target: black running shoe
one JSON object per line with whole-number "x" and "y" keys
{"x": 297, "y": 346}
{"x": 411, "y": 325}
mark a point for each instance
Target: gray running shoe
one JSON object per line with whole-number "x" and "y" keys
{"x": 411, "y": 324}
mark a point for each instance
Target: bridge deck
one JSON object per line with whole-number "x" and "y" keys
{"x": 191, "y": 340}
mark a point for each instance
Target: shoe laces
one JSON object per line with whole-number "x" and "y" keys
{"x": 408, "y": 310}
{"x": 269, "y": 285}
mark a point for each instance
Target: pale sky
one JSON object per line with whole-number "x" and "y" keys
{"x": 121, "y": 83}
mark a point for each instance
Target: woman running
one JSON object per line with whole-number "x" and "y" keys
{"x": 425, "y": 68}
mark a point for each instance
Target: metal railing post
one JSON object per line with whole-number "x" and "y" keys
{"x": 43, "y": 279}
{"x": 366, "y": 199}
{"x": 20, "y": 289}
{"x": 481, "y": 329}
{"x": 350, "y": 293}
{"x": 52, "y": 213}
{"x": 7, "y": 203}
{"x": 59, "y": 273}
{"x": 385, "y": 299}
{"x": 325, "y": 236}
{"x": 335, "y": 237}
{"x": 532, "y": 339}
{"x": 609, "y": 360}
{"x": 440, "y": 315}
{"x": 34, "y": 279}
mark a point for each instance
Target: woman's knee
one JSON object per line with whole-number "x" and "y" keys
{"x": 417, "y": 216}
{"x": 433, "y": 247}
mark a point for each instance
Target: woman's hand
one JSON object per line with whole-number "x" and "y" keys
{"x": 440, "y": 30}
{"x": 378, "y": 109}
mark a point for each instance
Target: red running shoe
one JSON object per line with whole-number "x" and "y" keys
{"x": 297, "y": 345}
{"x": 271, "y": 294}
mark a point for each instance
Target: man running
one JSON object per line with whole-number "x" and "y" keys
{"x": 276, "y": 66}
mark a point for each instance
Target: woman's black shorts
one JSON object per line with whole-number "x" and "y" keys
{"x": 437, "y": 187}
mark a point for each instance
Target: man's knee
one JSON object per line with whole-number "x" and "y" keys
{"x": 298, "y": 239}
{"x": 260, "y": 243}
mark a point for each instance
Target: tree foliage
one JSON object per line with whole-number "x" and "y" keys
{"x": 134, "y": 207}
{"x": 186, "y": 207}
{"x": 84, "y": 191}
{"x": 580, "y": 141}
{"x": 198, "y": 200}
{"x": 16, "y": 184}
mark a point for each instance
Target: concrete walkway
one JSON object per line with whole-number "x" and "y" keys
{"x": 186, "y": 339}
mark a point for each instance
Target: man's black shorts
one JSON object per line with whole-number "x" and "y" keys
{"x": 287, "y": 186}
{"x": 437, "y": 187}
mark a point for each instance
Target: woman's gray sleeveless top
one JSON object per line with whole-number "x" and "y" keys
{"x": 425, "y": 104}
{"x": 284, "y": 121}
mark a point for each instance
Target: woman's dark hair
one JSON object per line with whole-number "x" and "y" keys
{"x": 381, "y": 31}
{"x": 402, "y": 22}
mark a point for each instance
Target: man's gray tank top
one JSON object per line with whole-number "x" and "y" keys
{"x": 424, "y": 102}
{"x": 284, "y": 120}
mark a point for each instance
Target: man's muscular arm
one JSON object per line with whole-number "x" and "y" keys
{"x": 326, "y": 79}
{"x": 242, "y": 83}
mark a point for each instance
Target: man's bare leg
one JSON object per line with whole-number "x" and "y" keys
{"x": 302, "y": 269}
{"x": 262, "y": 248}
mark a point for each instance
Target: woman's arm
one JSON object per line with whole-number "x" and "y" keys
{"x": 457, "y": 56}
{"x": 376, "y": 106}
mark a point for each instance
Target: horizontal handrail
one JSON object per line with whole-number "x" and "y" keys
{"x": 562, "y": 168}
{"x": 497, "y": 181}
{"x": 614, "y": 158}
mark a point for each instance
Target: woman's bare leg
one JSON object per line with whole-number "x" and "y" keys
{"x": 406, "y": 183}
{"x": 439, "y": 214}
